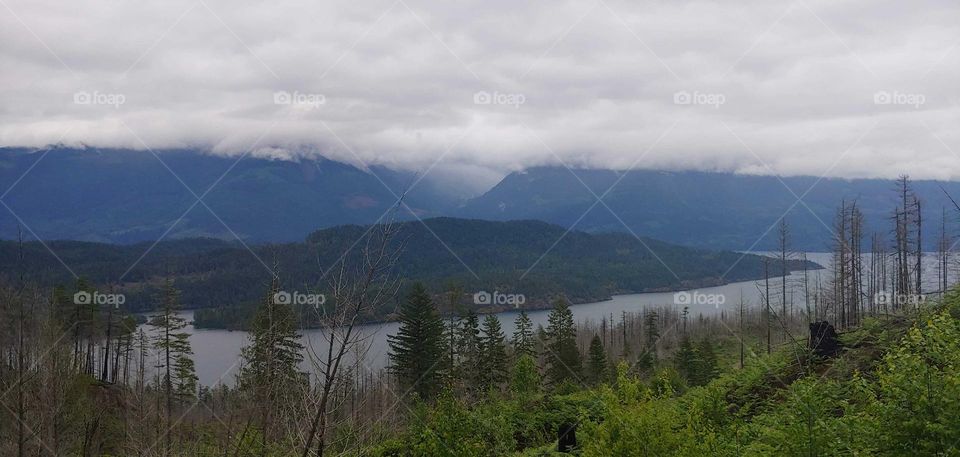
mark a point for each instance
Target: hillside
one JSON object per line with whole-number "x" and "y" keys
{"x": 892, "y": 391}
{"x": 540, "y": 260}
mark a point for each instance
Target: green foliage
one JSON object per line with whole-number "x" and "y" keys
{"x": 526, "y": 378}
{"x": 919, "y": 390}
{"x": 452, "y": 429}
{"x": 696, "y": 363}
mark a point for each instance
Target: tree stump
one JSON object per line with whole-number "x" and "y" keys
{"x": 823, "y": 339}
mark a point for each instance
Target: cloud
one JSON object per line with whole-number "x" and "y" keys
{"x": 853, "y": 88}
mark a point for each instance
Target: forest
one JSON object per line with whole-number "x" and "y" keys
{"x": 868, "y": 364}
{"x": 225, "y": 280}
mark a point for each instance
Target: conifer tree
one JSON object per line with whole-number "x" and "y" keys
{"x": 173, "y": 346}
{"x": 562, "y": 354}
{"x": 651, "y": 331}
{"x": 708, "y": 362}
{"x": 271, "y": 359}
{"x": 469, "y": 350}
{"x": 526, "y": 377}
{"x": 686, "y": 361}
{"x": 418, "y": 348}
{"x": 493, "y": 353}
{"x": 523, "y": 335}
{"x": 598, "y": 361}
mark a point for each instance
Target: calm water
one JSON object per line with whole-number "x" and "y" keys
{"x": 217, "y": 352}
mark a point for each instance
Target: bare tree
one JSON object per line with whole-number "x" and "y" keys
{"x": 357, "y": 284}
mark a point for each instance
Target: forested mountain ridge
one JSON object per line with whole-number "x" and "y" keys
{"x": 540, "y": 260}
{"x": 129, "y": 196}
{"x": 705, "y": 209}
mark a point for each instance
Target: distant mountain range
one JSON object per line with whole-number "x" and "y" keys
{"x": 713, "y": 210}
{"x": 540, "y": 260}
{"x": 124, "y": 196}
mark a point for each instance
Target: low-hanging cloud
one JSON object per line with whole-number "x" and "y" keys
{"x": 853, "y": 88}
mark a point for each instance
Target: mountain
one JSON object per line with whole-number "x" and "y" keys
{"x": 536, "y": 259}
{"x": 127, "y": 196}
{"x": 711, "y": 210}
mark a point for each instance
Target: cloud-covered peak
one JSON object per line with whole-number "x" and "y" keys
{"x": 854, "y": 88}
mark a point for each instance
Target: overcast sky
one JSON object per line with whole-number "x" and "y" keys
{"x": 847, "y": 88}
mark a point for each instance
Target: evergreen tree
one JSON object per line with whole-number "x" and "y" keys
{"x": 563, "y": 357}
{"x": 651, "y": 330}
{"x": 526, "y": 377}
{"x": 708, "y": 362}
{"x": 418, "y": 348}
{"x": 523, "y": 335}
{"x": 686, "y": 361}
{"x": 696, "y": 363}
{"x": 598, "y": 361}
{"x": 451, "y": 336}
{"x": 174, "y": 347}
{"x": 469, "y": 367}
{"x": 646, "y": 362}
{"x": 493, "y": 353}
{"x": 184, "y": 369}
{"x": 270, "y": 361}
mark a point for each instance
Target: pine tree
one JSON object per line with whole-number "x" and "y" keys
{"x": 686, "y": 361}
{"x": 598, "y": 361}
{"x": 651, "y": 331}
{"x": 562, "y": 354}
{"x": 526, "y": 377}
{"x": 468, "y": 340}
{"x": 418, "y": 347}
{"x": 708, "y": 362}
{"x": 523, "y": 335}
{"x": 648, "y": 355}
{"x": 174, "y": 347}
{"x": 184, "y": 369}
{"x": 493, "y": 353}
{"x": 270, "y": 371}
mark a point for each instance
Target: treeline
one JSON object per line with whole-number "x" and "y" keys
{"x": 510, "y": 257}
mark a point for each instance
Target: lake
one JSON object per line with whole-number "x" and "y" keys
{"x": 217, "y": 352}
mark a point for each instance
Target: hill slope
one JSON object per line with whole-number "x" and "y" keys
{"x": 537, "y": 259}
